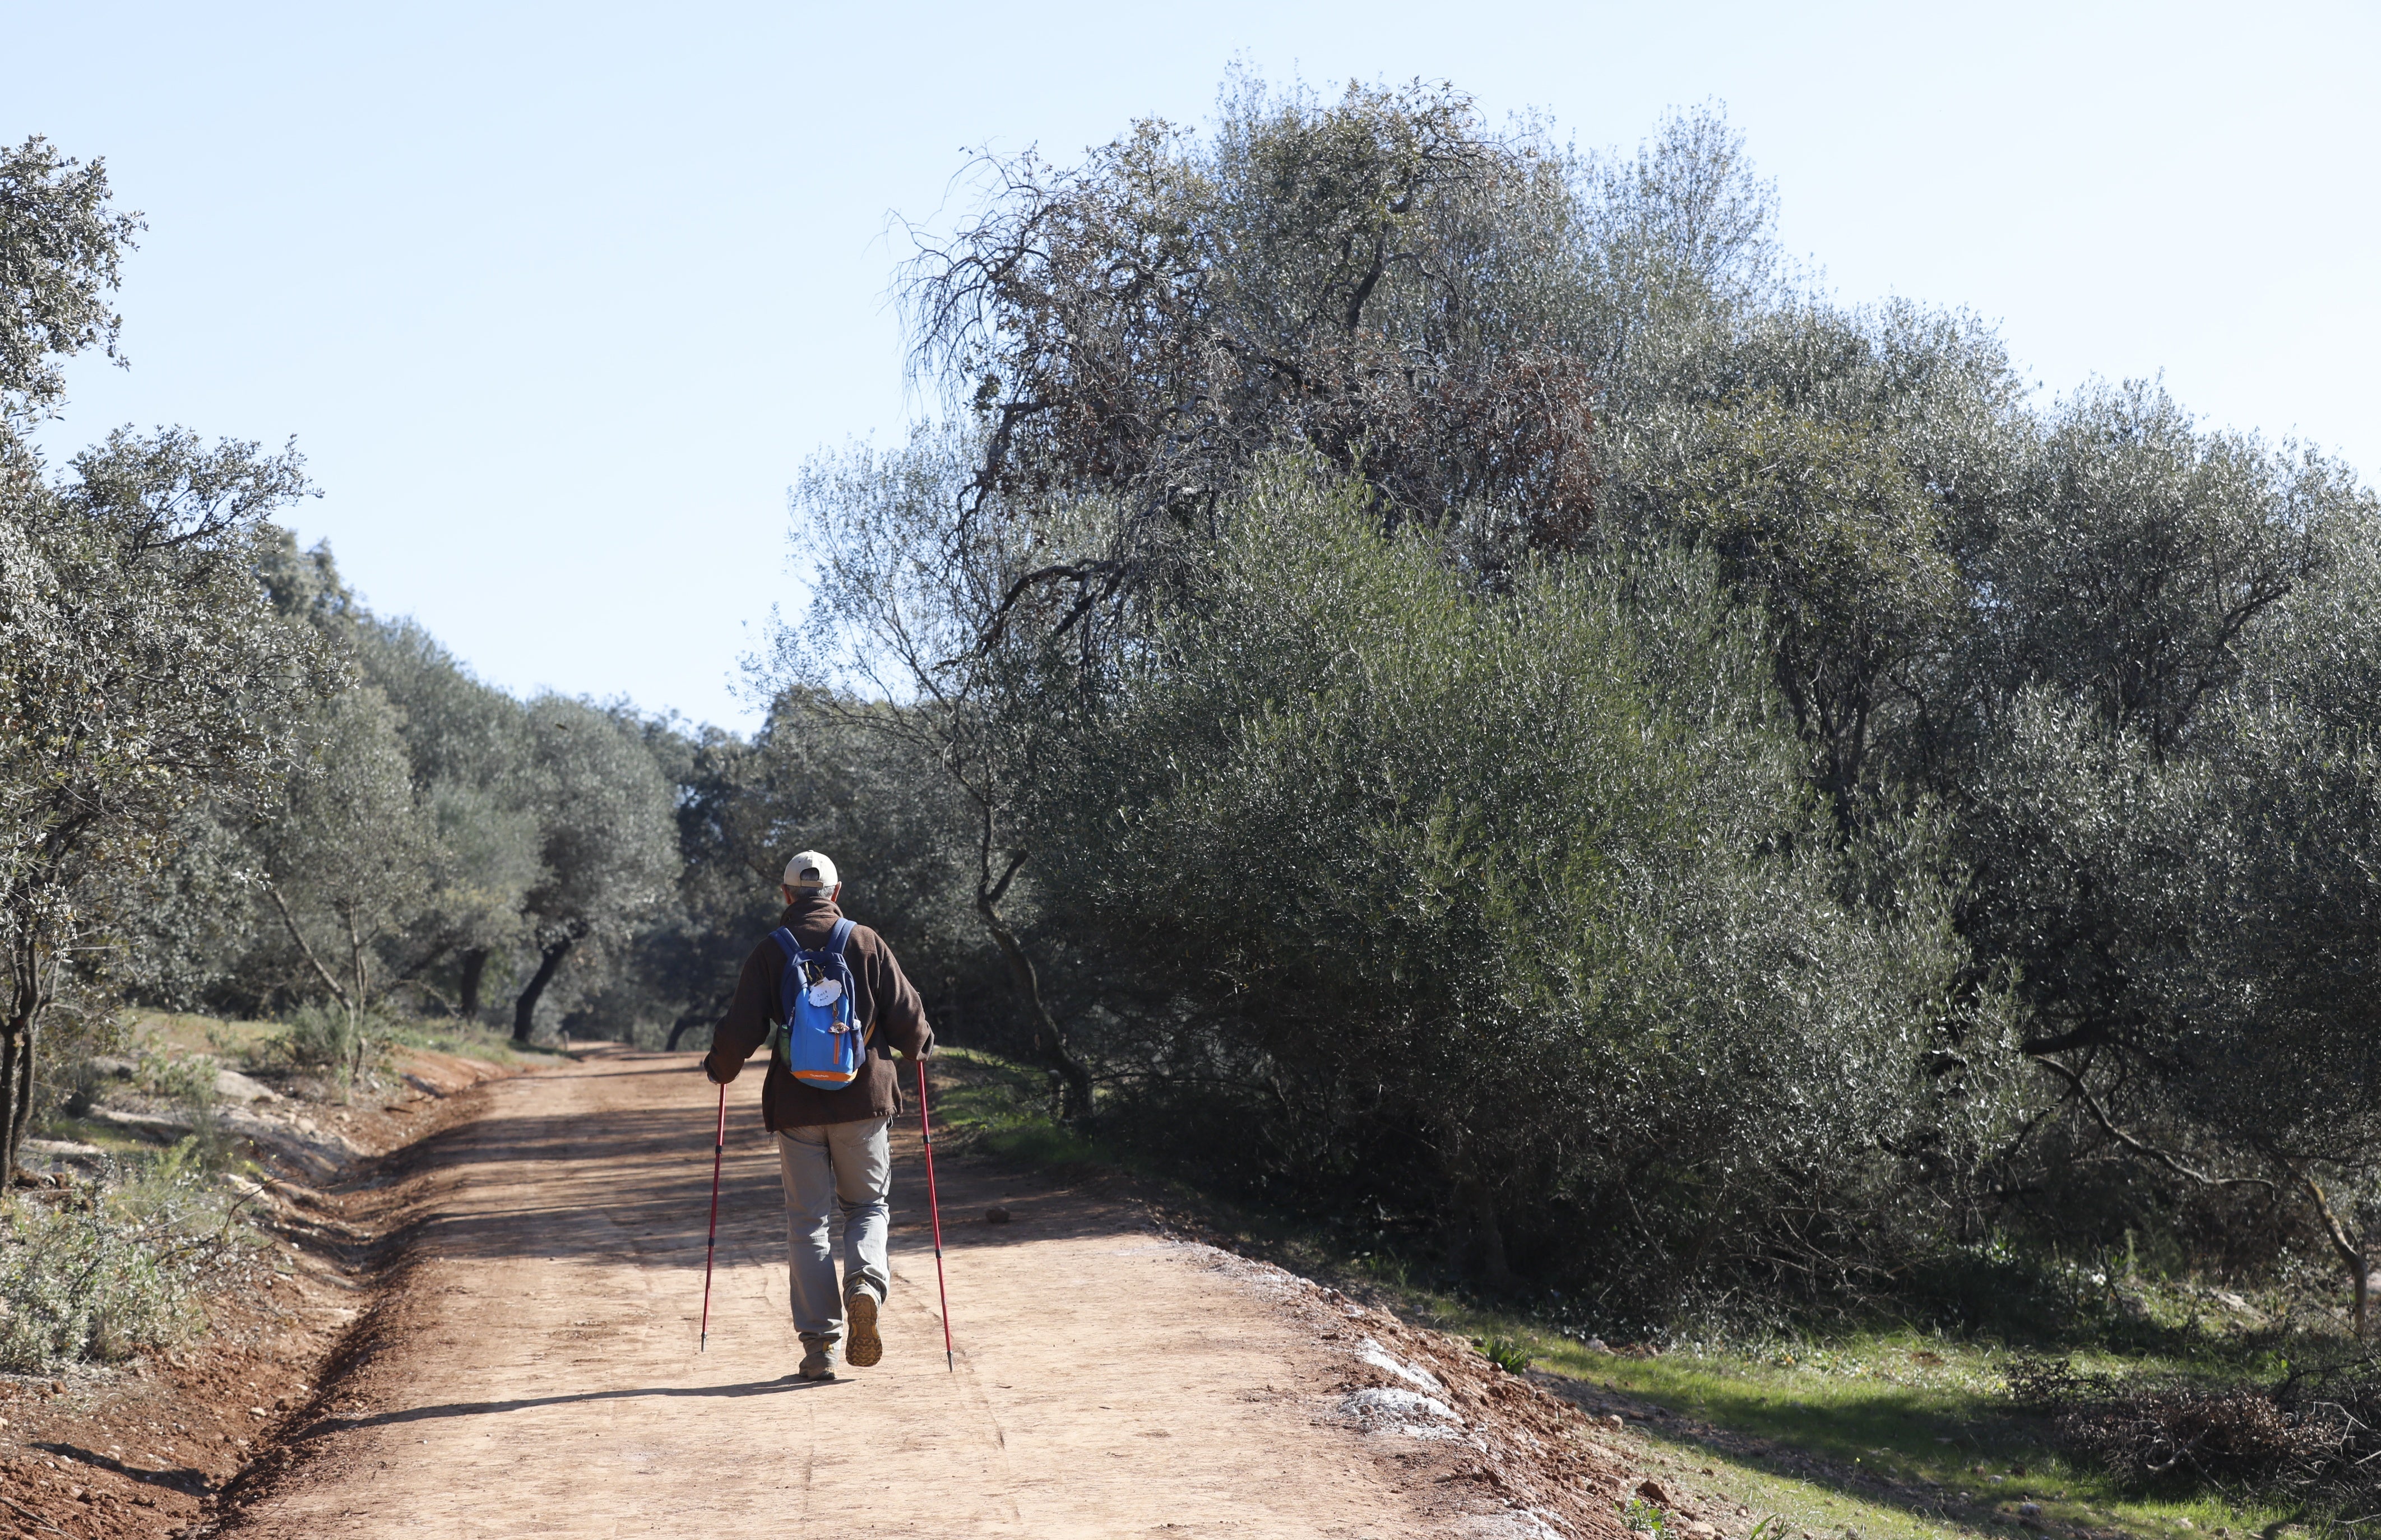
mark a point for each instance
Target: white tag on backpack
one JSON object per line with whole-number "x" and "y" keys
{"x": 824, "y": 993}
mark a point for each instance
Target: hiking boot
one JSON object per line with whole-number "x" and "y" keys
{"x": 818, "y": 1363}
{"x": 861, "y": 1346}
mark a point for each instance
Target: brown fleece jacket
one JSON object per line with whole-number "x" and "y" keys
{"x": 881, "y": 997}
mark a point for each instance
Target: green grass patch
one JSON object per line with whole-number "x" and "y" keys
{"x": 1925, "y": 1413}
{"x": 993, "y": 1105}
{"x": 1928, "y": 1415}
{"x": 254, "y": 1044}
{"x": 467, "y": 1040}
{"x": 183, "y": 1035}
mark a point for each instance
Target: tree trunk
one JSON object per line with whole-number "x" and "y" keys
{"x": 330, "y": 982}
{"x": 358, "y": 965}
{"x": 1479, "y": 1239}
{"x": 2351, "y": 1256}
{"x": 526, "y": 1006}
{"x": 25, "y": 1002}
{"x": 9, "y": 1131}
{"x": 1049, "y": 1042}
{"x": 23, "y": 1106}
{"x": 693, "y": 1018}
{"x": 475, "y": 967}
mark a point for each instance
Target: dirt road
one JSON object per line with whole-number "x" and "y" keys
{"x": 532, "y": 1369}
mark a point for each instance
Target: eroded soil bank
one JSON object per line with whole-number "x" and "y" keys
{"x": 144, "y": 1451}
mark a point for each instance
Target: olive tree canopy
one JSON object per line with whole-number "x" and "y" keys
{"x": 145, "y": 671}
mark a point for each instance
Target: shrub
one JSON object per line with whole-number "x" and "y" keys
{"x": 325, "y": 1039}
{"x": 189, "y": 1085}
{"x": 97, "y": 1279}
{"x": 186, "y": 1083}
{"x": 1504, "y": 907}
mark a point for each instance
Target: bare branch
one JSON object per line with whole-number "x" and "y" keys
{"x": 273, "y": 891}
{"x": 2109, "y": 1125}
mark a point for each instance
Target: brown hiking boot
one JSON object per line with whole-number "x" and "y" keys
{"x": 818, "y": 1363}
{"x": 861, "y": 1347}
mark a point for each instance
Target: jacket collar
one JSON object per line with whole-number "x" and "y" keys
{"x": 809, "y": 908}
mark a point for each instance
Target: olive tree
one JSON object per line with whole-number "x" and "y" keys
{"x": 468, "y": 744}
{"x": 2133, "y": 554}
{"x": 2075, "y": 697}
{"x": 145, "y": 672}
{"x": 607, "y": 844}
{"x": 1511, "y": 900}
{"x": 2052, "y": 622}
{"x": 1380, "y": 283}
{"x": 1381, "y": 279}
{"x": 61, "y": 246}
{"x": 2275, "y": 1017}
{"x": 928, "y": 637}
{"x": 347, "y": 853}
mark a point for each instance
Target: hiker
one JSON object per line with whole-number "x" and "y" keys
{"x": 832, "y": 1139}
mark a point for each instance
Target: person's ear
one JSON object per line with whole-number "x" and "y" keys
{"x": 835, "y": 893}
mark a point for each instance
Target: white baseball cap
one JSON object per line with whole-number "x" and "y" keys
{"x": 811, "y": 869}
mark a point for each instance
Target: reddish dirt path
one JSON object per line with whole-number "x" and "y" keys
{"x": 532, "y": 1368}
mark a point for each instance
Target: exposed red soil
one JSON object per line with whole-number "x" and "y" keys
{"x": 139, "y": 1451}
{"x": 490, "y": 1331}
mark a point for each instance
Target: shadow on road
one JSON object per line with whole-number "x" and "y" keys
{"x": 634, "y": 1183}
{"x": 479, "y": 1408}
{"x": 178, "y": 1478}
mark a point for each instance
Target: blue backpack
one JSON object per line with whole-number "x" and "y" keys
{"x": 816, "y": 1037}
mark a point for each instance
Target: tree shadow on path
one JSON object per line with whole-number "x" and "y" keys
{"x": 618, "y": 1184}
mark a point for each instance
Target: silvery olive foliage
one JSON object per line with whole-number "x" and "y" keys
{"x": 608, "y": 853}
{"x": 61, "y": 246}
{"x": 1716, "y": 636}
{"x": 345, "y": 857}
{"x": 145, "y": 674}
{"x": 467, "y": 747}
{"x": 1514, "y": 905}
{"x": 130, "y": 1270}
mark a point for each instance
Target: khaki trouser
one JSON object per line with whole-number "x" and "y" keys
{"x": 852, "y": 1165}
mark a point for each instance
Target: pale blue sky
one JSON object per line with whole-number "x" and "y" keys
{"x": 557, "y": 298}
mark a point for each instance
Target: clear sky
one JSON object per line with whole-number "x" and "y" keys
{"x": 557, "y": 298}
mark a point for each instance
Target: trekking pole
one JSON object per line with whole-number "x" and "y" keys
{"x": 718, "y": 1148}
{"x": 926, "y": 1135}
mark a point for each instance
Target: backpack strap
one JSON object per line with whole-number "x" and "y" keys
{"x": 776, "y": 1039}
{"x": 793, "y": 950}
{"x": 835, "y": 944}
